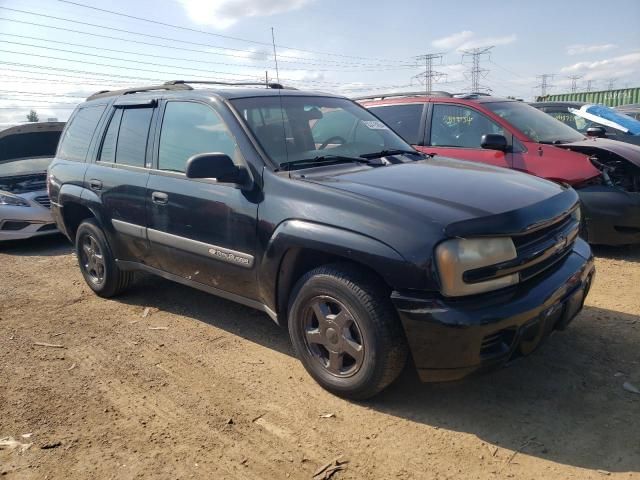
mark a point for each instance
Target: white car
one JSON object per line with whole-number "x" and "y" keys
{"x": 25, "y": 153}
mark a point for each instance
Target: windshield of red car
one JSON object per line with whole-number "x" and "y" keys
{"x": 538, "y": 126}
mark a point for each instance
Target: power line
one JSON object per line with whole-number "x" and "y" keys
{"x": 180, "y": 27}
{"x": 574, "y": 82}
{"x": 430, "y": 75}
{"x": 476, "y": 72}
{"x": 148, "y": 35}
{"x": 544, "y": 85}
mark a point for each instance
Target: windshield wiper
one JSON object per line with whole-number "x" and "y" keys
{"x": 321, "y": 160}
{"x": 384, "y": 153}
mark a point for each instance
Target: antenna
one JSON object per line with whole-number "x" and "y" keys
{"x": 275, "y": 56}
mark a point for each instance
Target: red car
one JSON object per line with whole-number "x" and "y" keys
{"x": 513, "y": 134}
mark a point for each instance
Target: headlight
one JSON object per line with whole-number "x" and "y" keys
{"x": 13, "y": 200}
{"x": 577, "y": 214}
{"x": 457, "y": 256}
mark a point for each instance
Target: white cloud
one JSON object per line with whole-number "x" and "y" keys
{"x": 468, "y": 39}
{"x": 623, "y": 65}
{"x": 453, "y": 41}
{"x": 582, "y": 49}
{"x": 224, "y": 13}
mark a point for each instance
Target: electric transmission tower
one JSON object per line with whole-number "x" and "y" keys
{"x": 476, "y": 72}
{"x": 589, "y": 85}
{"x": 544, "y": 85}
{"x": 574, "y": 82}
{"x": 611, "y": 83}
{"x": 430, "y": 76}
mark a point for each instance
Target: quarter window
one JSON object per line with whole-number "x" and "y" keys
{"x": 404, "y": 119}
{"x": 456, "y": 126}
{"x": 132, "y": 137}
{"x": 108, "y": 152}
{"x": 77, "y": 137}
{"x": 188, "y": 129}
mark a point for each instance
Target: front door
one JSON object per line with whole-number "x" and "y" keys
{"x": 456, "y": 131}
{"x": 199, "y": 229}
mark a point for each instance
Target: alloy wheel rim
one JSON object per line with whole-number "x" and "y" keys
{"x": 92, "y": 259}
{"x": 332, "y": 336}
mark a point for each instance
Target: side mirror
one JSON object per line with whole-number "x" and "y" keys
{"x": 491, "y": 141}
{"x": 215, "y": 165}
{"x": 596, "y": 132}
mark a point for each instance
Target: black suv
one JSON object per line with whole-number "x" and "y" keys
{"x": 331, "y": 224}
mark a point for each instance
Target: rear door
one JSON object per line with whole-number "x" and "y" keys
{"x": 118, "y": 177}
{"x": 199, "y": 229}
{"x": 456, "y": 131}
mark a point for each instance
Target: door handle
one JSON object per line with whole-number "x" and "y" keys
{"x": 95, "y": 184}
{"x": 160, "y": 198}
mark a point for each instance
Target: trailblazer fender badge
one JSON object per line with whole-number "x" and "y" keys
{"x": 230, "y": 256}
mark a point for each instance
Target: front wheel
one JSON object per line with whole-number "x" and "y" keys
{"x": 346, "y": 332}
{"x": 97, "y": 263}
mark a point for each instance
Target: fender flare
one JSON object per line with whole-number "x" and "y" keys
{"x": 305, "y": 235}
{"x": 79, "y": 195}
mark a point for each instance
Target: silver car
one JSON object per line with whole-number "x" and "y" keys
{"x": 25, "y": 153}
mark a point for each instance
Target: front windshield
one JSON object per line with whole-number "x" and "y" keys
{"x": 292, "y": 128}
{"x": 535, "y": 124}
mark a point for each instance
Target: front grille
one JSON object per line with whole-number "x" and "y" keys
{"x": 44, "y": 201}
{"x": 536, "y": 251}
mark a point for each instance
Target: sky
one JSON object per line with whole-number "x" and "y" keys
{"x": 54, "y": 53}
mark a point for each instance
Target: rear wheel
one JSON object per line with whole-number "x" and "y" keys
{"x": 346, "y": 332}
{"x": 97, "y": 263}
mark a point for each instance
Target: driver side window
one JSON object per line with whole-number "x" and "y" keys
{"x": 190, "y": 128}
{"x": 457, "y": 126}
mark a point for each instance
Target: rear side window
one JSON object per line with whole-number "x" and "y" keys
{"x": 75, "y": 142}
{"x": 131, "y": 147}
{"x": 188, "y": 129}
{"x": 404, "y": 119}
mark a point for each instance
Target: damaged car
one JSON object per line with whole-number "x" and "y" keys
{"x": 25, "y": 153}
{"x": 513, "y": 134}
{"x": 594, "y": 120}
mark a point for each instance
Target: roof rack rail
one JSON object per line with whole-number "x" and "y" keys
{"x": 471, "y": 95}
{"x": 127, "y": 91}
{"x": 181, "y": 85}
{"x": 382, "y": 96}
{"x": 232, "y": 84}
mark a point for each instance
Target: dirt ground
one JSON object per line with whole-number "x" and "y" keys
{"x": 204, "y": 388}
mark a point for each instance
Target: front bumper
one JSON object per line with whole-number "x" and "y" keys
{"x": 612, "y": 216}
{"x": 18, "y": 223}
{"x": 450, "y": 339}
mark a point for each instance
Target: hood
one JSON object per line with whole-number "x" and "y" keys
{"x": 447, "y": 191}
{"x": 609, "y": 117}
{"x": 592, "y": 146}
{"x": 30, "y": 140}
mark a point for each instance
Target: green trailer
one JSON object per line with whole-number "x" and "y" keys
{"x": 611, "y": 98}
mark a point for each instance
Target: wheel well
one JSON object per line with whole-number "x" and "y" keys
{"x": 295, "y": 263}
{"x": 73, "y": 215}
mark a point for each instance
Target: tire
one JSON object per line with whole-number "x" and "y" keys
{"x": 346, "y": 332}
{"x": 97, "y": 263}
